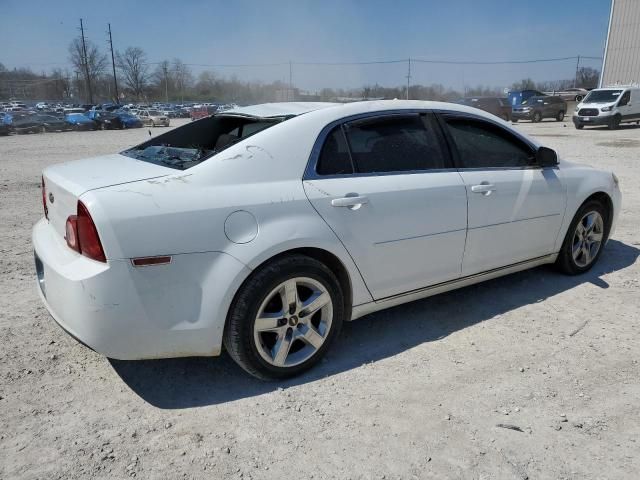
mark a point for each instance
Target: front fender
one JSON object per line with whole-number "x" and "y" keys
{"x": 582, "y": 182}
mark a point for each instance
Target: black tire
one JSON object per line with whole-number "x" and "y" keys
{"x": 537, "y": 117}
{"x": 578, "y": 98}
{"x": 238, "y": 335}
{"x": 565, "y": 261}
{"x": 579, "y": 126}
{"x": 505, "y": 117}
{"x": 560, "y": 116}
{"x": 614, "y": 123}
{"x": 514, "y": 120}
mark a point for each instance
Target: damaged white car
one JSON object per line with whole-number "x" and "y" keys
{"x": 264, "y": 228}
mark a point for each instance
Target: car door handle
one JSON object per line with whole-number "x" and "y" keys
{"x": 484, "y": 188}
{"x": 353, "y": 203}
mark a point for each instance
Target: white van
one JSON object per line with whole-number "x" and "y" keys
{"x": 609, "y": 106}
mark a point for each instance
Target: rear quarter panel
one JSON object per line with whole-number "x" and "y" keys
{"x": 186, "y": 212}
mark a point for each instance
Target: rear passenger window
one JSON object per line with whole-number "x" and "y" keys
{"x": 334, "y": 158}
{"x": 393, "y": 144}
{"x": 483, "y": 145}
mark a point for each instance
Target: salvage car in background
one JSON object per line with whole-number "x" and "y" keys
{"x": 538, "y": 108}
{"x": 516, "y": 97}
{"x": 498, "y": 106}
{"x": 153, "y": 118}
{"x": 608, "y": 106}
{"x": 80, "y": 121}
{"x": 105, "y": 120}
{"x": 266, "y": 227}
{"x": 202, "y": 111}
{"x": 570, "y": 94}
{"x": 36, "y": 123}
{"x": 129, "y": 120}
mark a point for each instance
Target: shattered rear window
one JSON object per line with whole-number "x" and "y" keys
{"x": 191, "y": 144}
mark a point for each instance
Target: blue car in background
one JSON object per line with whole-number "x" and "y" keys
{"x": 129, "y": 121}
{"x": 80, "y": 121}
{"x": 516, "y": 97}
{"x": 4, "y": 127}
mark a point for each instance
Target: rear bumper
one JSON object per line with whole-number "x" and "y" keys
{"x": 131, "y": 313}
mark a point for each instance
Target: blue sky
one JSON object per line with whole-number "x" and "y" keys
{"x": 37, "y": 33}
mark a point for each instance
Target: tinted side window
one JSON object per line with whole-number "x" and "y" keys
{"x": 483, "y": 145}
{"x": 393, "y": 144}
{"x": 334, "y": 157}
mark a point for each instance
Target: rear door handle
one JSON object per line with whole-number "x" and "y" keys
{"x": 484, "y": 188}
{"x": 353, "y": 203}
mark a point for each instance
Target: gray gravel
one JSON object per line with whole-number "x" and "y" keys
{"x": 423, "y": 390}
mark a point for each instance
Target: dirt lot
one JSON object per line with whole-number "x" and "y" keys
{"x": 413, "y": 392}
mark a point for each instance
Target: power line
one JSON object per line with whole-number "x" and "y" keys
{"x": 503, "y": 62}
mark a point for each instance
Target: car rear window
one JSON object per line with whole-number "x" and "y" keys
{"x": 191, "y": 144}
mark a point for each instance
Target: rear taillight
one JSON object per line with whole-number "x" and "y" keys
{"x": 82, "y": 236}
{"x": 44, "y": 199}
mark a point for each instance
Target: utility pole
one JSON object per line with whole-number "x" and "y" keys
{"x": 113, "y": 64}
{"x": 290, "y": 94}
{"x": 575, "y": 80}
{"x": 408, "y": 76}
{"x": 166, "y": 82}
{"x": 86, "y": 63}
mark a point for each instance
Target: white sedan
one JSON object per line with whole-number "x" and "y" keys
{"x": 264, "y": 228}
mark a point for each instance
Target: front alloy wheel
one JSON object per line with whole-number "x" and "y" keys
{"x": 587, "y": 239}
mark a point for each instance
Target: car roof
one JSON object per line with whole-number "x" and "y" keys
{"x": 340, "y": 110}
{"x": 281, "y": 109}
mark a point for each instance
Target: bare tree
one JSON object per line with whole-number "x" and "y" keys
{"x": 182, "y": 75}
{"x": 134, "y": 70}
{"x": 587, "y": 77}
{"x": 96, "y": 60}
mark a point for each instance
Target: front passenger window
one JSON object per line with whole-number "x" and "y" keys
{"x": 483, "y": 145}
{"x": 625, "y": 99}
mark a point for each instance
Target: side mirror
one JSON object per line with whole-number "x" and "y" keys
{"x": 546, "y": 157}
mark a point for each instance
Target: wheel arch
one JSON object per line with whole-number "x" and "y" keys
{"x": 605, "y": 200}
{"x": 327, "y": 258}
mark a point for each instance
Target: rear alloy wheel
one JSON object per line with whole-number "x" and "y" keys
{"x": 584, "y": 240}
{"x": 284, "y": 317}
{"x": 537, "y": 117}
{"x": 560, "y": 116}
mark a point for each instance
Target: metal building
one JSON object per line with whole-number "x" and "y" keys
{"x": 621, "y": 63}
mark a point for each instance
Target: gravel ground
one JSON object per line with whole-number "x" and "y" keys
{"x": 418, "y": 391}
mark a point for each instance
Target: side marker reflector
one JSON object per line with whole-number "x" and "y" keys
{"x": 149, "y": 261}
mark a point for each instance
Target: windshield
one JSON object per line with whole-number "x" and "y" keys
{"x": 154, "y": 113}
{"x": 602, "y": 96}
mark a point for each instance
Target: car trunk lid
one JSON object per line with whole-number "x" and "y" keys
{"x": 66, "y": 182}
